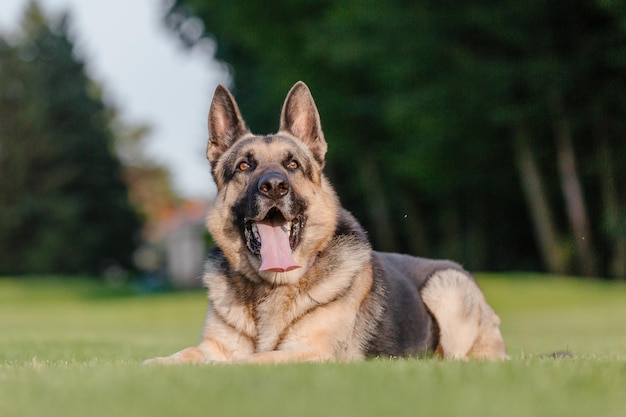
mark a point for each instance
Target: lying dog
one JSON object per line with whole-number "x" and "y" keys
{"x": 293, "y": 276}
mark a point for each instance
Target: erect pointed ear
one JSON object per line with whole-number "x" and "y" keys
{"x": 300, "y": 118}
{"x": 225, "y": 124}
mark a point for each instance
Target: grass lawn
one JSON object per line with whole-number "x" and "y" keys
{"x": 74, "y": 348}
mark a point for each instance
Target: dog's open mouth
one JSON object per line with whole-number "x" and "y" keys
{"x": 274, "y": 239}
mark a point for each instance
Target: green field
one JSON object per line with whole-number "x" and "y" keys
{"x": 74, "y": 348}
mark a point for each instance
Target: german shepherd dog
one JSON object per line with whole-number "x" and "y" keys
{"x": 293, "y": 276}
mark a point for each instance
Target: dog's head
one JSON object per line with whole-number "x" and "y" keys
{"x": 274, "y": 210}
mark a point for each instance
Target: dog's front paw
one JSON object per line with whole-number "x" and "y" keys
{"x": 189, "y": 355}
{"x": 163, "y": 360}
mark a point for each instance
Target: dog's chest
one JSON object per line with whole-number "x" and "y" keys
{"x": 271, "y": 316}
{"x": 264, "y": 314}
{"x": 276, "y": 312}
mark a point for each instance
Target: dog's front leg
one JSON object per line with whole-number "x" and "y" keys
{"x": 285, "y": 356}
{"x": 207, "y": 352}
{"x": 221, "y": 342}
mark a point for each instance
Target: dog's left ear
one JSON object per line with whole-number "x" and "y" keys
{"x": 301, "y": 119}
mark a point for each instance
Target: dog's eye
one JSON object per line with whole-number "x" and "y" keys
{"x": 293, "y": 164}
{"x": 243, "y": 166}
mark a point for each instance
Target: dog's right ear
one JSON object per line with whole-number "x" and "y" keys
{"x": 225, "y": 124}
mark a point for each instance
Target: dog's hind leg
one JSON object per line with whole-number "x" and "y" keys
{"x": 468, "y": 326}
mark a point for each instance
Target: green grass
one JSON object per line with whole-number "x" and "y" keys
{"x": 74, "y": 348}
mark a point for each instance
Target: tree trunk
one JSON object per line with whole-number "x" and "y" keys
{"x": 377, "y": 205}
{"x": 573, "y": 193}
{"x": 551, "y": 247}
{"x": 614, "y": 215}
{"x": 413, "y": 221}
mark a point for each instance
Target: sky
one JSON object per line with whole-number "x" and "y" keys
{"x": 147, "y": 75}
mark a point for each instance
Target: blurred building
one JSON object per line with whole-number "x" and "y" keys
{"x": 176, "y": 245}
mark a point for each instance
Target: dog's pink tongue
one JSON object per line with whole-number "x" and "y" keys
{"x": 275, "y": 249}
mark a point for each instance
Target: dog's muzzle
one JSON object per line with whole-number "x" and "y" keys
{"x": 274, "y": 233}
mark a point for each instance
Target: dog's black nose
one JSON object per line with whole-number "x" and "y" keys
{"x": 273, "y": 185}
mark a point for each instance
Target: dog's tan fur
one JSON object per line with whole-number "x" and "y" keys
{"x": 341, "y": 304}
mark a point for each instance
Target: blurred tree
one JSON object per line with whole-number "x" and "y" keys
{"x": 557, "y": 61}
{"x": 498, "y": 121}
{"x": 63, "y": 202}
{"x": 149, "y": 186}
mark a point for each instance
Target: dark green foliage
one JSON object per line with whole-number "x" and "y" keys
{"x": 428, "y": 105}
{"x": 63, "y": 204}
